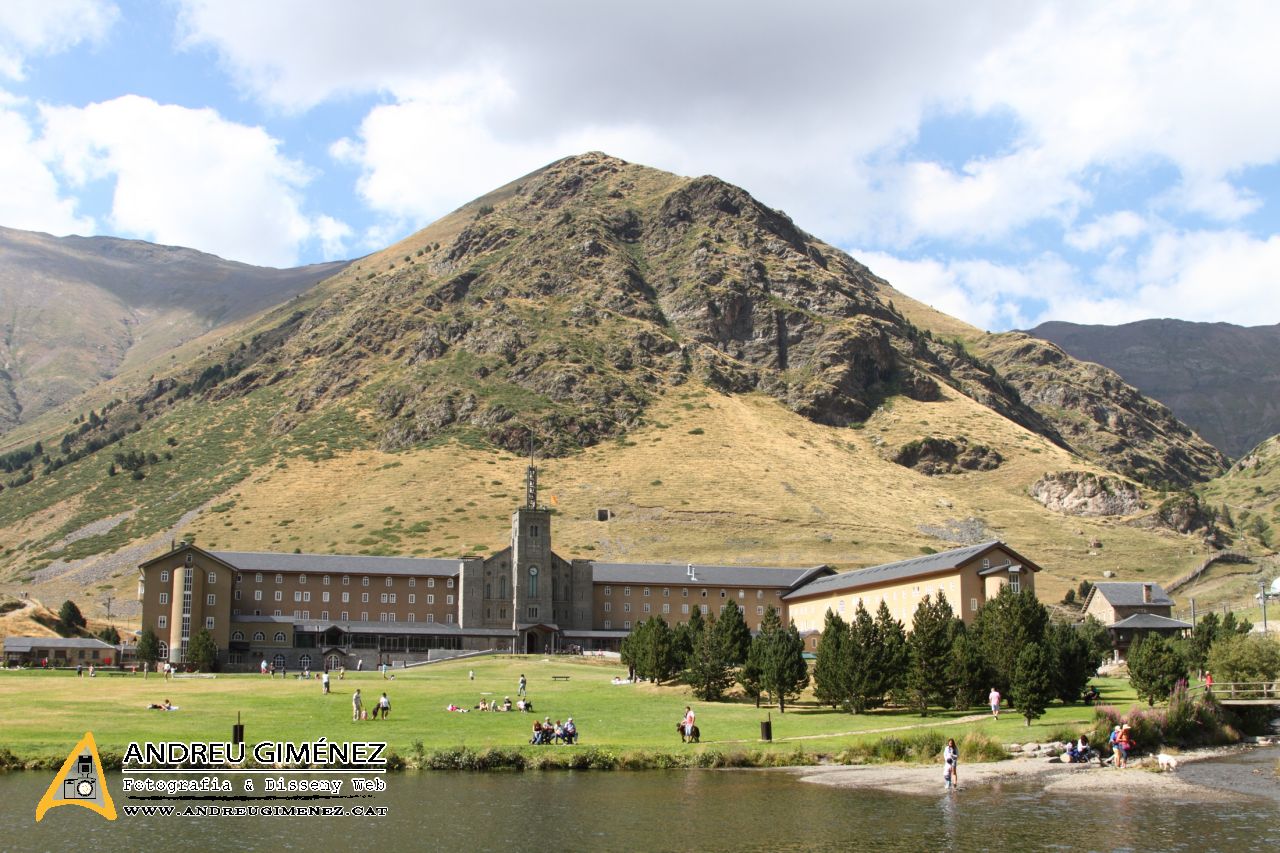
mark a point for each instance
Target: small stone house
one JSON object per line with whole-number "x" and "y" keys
{"x": 1131, "y": 610}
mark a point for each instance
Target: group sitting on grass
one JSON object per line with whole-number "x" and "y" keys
{"x": 548, "y": 732}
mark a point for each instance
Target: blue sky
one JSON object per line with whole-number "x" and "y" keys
{"x": 1007, "y": 162}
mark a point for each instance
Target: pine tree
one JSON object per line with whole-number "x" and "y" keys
{"x": 1070, "y": 660}
{"x": 148, "y": 650}
{"x": 709, "y": 673}
{"x": 110, "y": 635}
{"x": 968, "y": 669}
{"x": 929, "y": 654}
{"x": 864, "y": 650}
{"x": 1156, "y": 664}
{"x": 1004, "y": 626}
{"x": 735, "y": 634}
{"x": 70, "y": 619}
{"x": 652, "y": 650}
{"x": 1032, "y": 686}
{"x": 831, "y": 671}
{"x": 202, "y": 652}
{"x": 890, "y": 672}
{"x": 779, "y": 655}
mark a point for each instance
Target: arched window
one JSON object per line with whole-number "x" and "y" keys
{"x": 162, "y": 651}
{"x": 237, "y": 635}
{"x": 305, "y": 661}
{"x": 333, "y": 661}
{"x": 279, "y": 636}
{"x": 502, "y": 587}
{"x": 258, "y": 636}
{"x": 279, "y": 662}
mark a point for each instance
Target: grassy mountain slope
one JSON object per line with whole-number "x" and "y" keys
{"x": 75, "y": 311}
{"x": 732, "y": 389}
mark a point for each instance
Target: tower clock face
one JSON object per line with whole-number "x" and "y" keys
{"x": 533, "y": 571}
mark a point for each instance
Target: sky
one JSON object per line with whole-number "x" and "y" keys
{"x": 1006, "y": 162}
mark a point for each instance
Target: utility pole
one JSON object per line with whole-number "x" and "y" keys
{"x": 1262, "y": 594}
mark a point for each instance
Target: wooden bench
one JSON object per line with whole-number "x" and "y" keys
{"x": 559, "y": 678}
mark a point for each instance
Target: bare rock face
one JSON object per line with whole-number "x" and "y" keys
{"x": 934, "y": 456}
{"x": 1084, "y": 493}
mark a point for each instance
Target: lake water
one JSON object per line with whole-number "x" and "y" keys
{"x": 679, "y": 810}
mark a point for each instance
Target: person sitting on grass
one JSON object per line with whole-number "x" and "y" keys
{"x": 506, "y": 703}
{"x": 570, "y": 731}
{"x": 537, "y": 733}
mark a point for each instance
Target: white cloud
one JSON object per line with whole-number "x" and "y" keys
{"x": 31, "y": 198}
{"x": 188, "y": 177}
{"x": 1106, "y": 231}
{"x": 42, "y": 27}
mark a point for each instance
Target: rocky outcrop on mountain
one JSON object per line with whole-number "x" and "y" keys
{"x": 1185, "y": 513}
{"x": 1087, "y": 494}
{"x": 1099, "y": 415}
{"x": 1220, "y": 379}
{"x": 933, "y": 456}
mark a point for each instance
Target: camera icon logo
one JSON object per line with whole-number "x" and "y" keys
{"x": 79, "y": 783}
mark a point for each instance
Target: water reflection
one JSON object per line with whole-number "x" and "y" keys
{"x": 677, "y": 810}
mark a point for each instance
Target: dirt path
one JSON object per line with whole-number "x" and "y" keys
{"x": 972, "y": 718}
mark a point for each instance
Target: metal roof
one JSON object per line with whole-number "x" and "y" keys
{"x": 337, "y": 564}
{"x": 26, "y": 644}
{"x": 1129, "y": 594}
{"x": 901, "y": 570}
{"x": 675, "y": 574}
{"x": 1151, "y": 621}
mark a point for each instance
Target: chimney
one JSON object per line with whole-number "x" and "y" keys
{"x": 1146, "y": 593}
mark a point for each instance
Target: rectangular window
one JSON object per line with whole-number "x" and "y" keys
{"x": 162, "y": 622}
{"x": 626, "y": 590}
{"x": 279, "y": 578}
{"x": 760, "y": 610}
{"x": 973, "y": 605}
{"x": 382, "y": 617}
{"x": 704, "y": 610}
{"x": 646, "y": 607}
{"x": 388, "y": 581}
{"x": 297, "y": 614}
{"x": 306, "y": 596}
{"x": 364, "y": 581}
{"x": 306, "y": 614}
{"x": 346, "y": 580}
{"x": 302, "y": 579}
{"x": 208, "y": 622}
{"x": 1015, "y": 583}
{"x": 257, "y": 595}
{"x": 297, "y": 595}
{"x": 364, "y": 598}
{"x": 164, "y": 576}
{"x": 450, "y": 600}
{"x": 326, "y": 580}
{"x": 431, "y": 617}
{"x": 533, "y": 613}
{"x": 431, "y": 598}
{"x": 608, "y": 606}
{"x": 412, "y": 598}
{"x": 742, "y": 593}
{"x": 684, "y": 608}
{"x": 627, "y": 625}
{"x": 384, "y": 598}
{"x": 412, "y": 582}
{"x": 278, "y": 612}
{"x": 666, "y": 592}
{"x": 626, "y": 607}
{"x": 346, "y": 598}
{"x": 392, "y": 597}
{"x": 684, "y": 593}
{"x": 666, "y": 608}
{"x": 324, "y": 597}
{"x": 431, "y": 583}
{"x": 608, "y": 590}
{"x": 759, "y": 594}
{"x": 164, "y": 598}
{"x": 607, "y": 624}
{"x": 213, "y": 578}
{"x": 257, "y": 577}
{"x": 364, "y": 615}
{"x": 646, "y": 592}
{"x": 211, "y": 599}
{"x": 449, "y": 583}
{"x": 343, "y": 616}
{"x": 411, "y": 618}
{"x": 448, "y": 617}
{"x": 324, "y": 614}
{"x": 279, "y": 595}
{"x": 237, "y": 595}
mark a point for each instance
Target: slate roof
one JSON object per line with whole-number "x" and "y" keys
{"x": 674, "y": 574}
{"x": 1129, "y": 594}
{"x": 20, "y": 645}
{"x": 337, "y": 564}
{"x": 901, "y": 570}
{"x": 1150, "y": 621}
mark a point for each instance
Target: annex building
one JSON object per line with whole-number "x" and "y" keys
{"x": 320, "y": 610}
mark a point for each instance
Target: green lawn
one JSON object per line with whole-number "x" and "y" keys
{"x": 46, "y": 712}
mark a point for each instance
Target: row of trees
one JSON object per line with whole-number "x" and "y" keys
{"x": 711, "y": 654}
{"x": 1222, "y": 646}
{"x": 202, "y": 650}
{"x": 1012, "y": 646}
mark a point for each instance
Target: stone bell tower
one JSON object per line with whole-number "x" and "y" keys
{"x": 531, "y": 557}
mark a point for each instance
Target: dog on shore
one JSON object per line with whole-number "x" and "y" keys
{"x": 1165, "y": 761}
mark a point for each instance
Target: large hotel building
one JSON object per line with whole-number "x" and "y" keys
{"x": 321, "y": 610}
